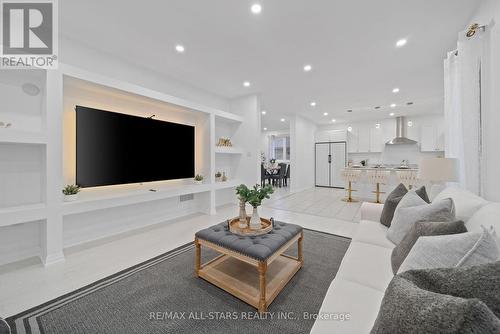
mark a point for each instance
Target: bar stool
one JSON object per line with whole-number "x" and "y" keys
{"x": 350, "y": 175}
{"x": 378, "y": 177}
{"x": 408, "y": 178}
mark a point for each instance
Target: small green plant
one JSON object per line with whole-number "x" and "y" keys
{"x": 198, "y": 177}
{"x": 72, "y": 189}
{"x": 272, "y": 161}
{"x": 218, "y": 174}
{"x": 243, "y": 192}
{"x": 258, "y": 194}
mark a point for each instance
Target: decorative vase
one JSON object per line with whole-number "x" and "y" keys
{"x": 243, "y": 215}
{"x": 255, "y": 220}
{"x": 70, "y": 198}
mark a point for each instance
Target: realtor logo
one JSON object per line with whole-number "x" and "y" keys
{"x": 28, "y": 36}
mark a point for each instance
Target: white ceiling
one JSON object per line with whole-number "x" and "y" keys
{"x": 350, "y": 44}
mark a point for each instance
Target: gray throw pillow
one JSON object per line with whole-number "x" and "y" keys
{"x": 446, "y": 300}
{"x": 393, "y": 200}
{"x": 411, "y": 210}
{"x": 456, "y": 250}
{"x": 419, "y": 229}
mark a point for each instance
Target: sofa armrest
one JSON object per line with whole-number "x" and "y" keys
{"x": 371, "y": 211}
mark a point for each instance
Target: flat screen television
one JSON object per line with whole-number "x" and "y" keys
{"x": 114, "y": 148}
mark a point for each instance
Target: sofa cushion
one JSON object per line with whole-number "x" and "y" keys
{"x": 488, "y": 215}
{"x": 393, "y": 200}
{"x": 451, "y": 300}
{"x": 372, "y": 232}
{"x": 466, "y": 203}
{"x": 359, "y": 302}
{"x": 407, "y": 214}
{"x": 464, "y": 249}
{"x": 368, "y": 265}
{"x": 401, "y": 251}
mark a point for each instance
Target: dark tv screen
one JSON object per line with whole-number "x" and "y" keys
{"x": 114, "y": 148}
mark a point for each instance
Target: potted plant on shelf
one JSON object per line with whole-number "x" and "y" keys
{"x": 71, "y": 192}
{"x": 218, "y": 176}
{"x": 255, "y": 198}
{"x": 198, "y": 179}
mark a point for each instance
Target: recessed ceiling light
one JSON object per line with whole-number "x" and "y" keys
{"x": 246, "y": 84}
{"x": 377, "y": 125}
{"x": 393, "y": 105}
{"x": 395, "y": 90}
{"x": 350, "y": 110}
{"x": 349, "y": 128}
{"x": 391, "y": 114}
{"x": 265, "y": 129}
{"x": 325, "y": 114}
{"x": 307, "y": 68}
{"x": 409, "y": 103}
{"x": 263, "y": 112}
{"x": 377, "y": 107}
{"x": 282, "y": 119}
{"x": 401, "y": 42}
{"x": 256, "y": 8}
{"x": 334, "y": 120}
{"x": 313, "y": 104}
{"x": 180, "y": 48}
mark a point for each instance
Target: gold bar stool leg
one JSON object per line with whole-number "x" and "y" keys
{"x": 350, "y": 176}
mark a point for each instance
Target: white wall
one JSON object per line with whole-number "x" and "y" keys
{"x": 489, "y": 13}
{"x": 302, "y": 132}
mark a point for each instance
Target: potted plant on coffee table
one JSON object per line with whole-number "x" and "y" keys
{"x": 71, "y": 192}
{"x": 255, "y": 198}
{"x": 243, "y": 193}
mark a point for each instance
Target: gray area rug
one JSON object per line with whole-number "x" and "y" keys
{"x": 163, "y": 296}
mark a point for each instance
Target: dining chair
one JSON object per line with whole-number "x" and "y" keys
{"x": 264, "y": 175}
{"x": 287, "y": 175}
{"x": 278, "y": 178}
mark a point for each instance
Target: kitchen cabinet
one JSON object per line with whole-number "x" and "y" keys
{"x": 431, "y": 138}
{"x": 376, "y": 140}
{"x": 352, "y": 141}
{"x": 364, "y": 139}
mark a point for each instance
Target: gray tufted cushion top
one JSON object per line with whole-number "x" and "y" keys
{"x": 258, "y": 247}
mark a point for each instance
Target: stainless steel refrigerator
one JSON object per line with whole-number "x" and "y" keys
{"x": 331, "y": 159}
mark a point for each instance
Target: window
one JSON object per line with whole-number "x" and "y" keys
{"x": 280, "y": 148}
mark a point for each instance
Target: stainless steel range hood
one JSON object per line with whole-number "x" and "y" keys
{"x": 401, "y": 138}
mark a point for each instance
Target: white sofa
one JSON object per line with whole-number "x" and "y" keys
{"x": 365, "y": 272}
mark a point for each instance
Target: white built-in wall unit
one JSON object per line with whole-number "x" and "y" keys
{"x": 38, "y": 157}
{"x": 366, "y": 140}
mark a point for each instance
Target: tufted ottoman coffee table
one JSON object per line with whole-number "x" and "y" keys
{"x": 254, "y": 269}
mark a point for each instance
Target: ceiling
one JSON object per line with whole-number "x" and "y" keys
{"x": 351, "y": 46}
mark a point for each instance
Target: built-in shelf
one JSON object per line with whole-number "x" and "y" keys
{"x": 21, "y": 137}
{"x": 22, "y": 214}
{"x": 90, "y": 200}
{"x": 226, "y": 184}
{"x": 228, "y": 150}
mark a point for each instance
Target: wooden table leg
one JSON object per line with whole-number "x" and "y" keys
{"x": 197, "y": 259}
{"x": 262, "y": 285}
{"x": 299, "y": 249}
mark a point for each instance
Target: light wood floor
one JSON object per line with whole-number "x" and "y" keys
{"x": 27, "y": 284}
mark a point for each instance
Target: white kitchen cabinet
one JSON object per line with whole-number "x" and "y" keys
{"x": 431, "y": 138}
{"x": 364, "y": 139}
{"x": 376, "y": 141}
{"x": 352, "y": 141}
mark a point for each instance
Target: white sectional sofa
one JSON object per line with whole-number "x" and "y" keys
{"x": 365, "y": 272}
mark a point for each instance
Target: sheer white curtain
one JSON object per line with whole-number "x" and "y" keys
{"x": 463, "y": 71}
